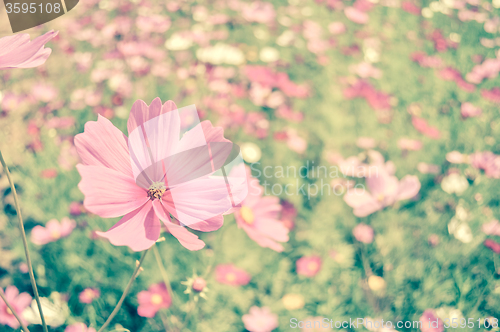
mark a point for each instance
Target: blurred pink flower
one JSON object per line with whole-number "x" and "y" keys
{"x": 337, "y": 28}
{"x": 76, "y": 208}
{"x": 491, "y": 95}
{"x": 384, "y": 190}
{"x": 376, "y": 99}
{"x": 79, "y": 327}
{"x": 309, "y": 266}
{"x": 259, "y": 217}
{"x": 18, "y": 51}
{"x": 488, "y": 162}
{"x": 430, "y": 322}
{"x": 44, "y": 92}
{"x": 356, "y": 15}
{"x": 53, "y": 231}
{"x": 260, "y": 320}
{"x": 231, "y": 275}
{"x": 422, "y": 126}
{"x": 153, "y": 300}
{"x": 366, "y": 142}
{"x": 259, "y": 11}
{"x": 410, "y": 7}
{"x": 286, "y": 112}
{"x": 493, "y": 245}
{"x": 363, "y": 233}
{"x": 487, "y": 70}
{"x": 409, "y": 144}
{"x": 114, "y": 186}
{"x": 469, "y": 111}
{"x": 18, "y": 302}
{"x": 153, "y": 23}
{"x": 491, "y": 228}
{"x": 425, "y": 168}
{"x": 199, "y": 284}
{"x": 88, "y": 295}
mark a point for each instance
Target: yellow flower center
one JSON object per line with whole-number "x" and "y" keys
{"x": 230, "y": 277}
{"x": 247, "y": 215}
{"x": 156, "y": 190}
{"x": 156, "y": 299}
{"x": 9, "y": 312}
{"x": 312, "y": 266}
{"x": 55, "y": 234}
{"x": 380, "y": 197}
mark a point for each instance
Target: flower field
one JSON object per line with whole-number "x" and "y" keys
{"x": 284, "y": 165}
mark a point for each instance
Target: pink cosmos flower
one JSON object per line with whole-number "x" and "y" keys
{"x": 79, "y": 327}
{"x": 493, "y": 245}
{"x": 356, "y": 15}
{"x": 18, "y": 302}
{"x": 308, "y": 266}
{"x": 430, "y": 322}
{"x": 18, "y": 51}
{"x": 491, "y": 95}
{"x": 152, "y": 300}
{"x": 409, "y": 144}
{"x": 337, "y": 28}
{"x": 384, "y": 189}
{"x": 259, "y": 11}
{"x": 491, "y": 228}
{"x": 488, "y": 162}
{"x": 259, "y": 217}
{"x": 423, "y": 126}
{"x": 231, "y": 275}
{"x": 88, "y": 295}
{"x": 363, "y": 233}
{"x": 53, "y": 231}
{"x": 139, "y": 177}
{"x": 260, "y": 320}
{"x": 411, "y": 8}
{"x": 468, "y": 110}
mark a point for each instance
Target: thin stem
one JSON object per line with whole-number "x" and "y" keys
{"x": 2, "y": 295}
{"x": 163, "y": 271}
{"x": 125, "y": 292}
{"x": 25, "y": 242}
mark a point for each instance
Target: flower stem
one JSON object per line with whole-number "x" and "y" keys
{"x": 2, "y": 295}
{"x": 163, "y": 271}
{"x": 125, "y": 292}
{"x": 25, "y": 242}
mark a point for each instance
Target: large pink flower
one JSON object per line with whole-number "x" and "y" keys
{"x": 18, "y": 51}
{"x": 152, "y": 300}
{"x": 154, "y": 173}
{"x": 259, "y": 217}
{"x": 385, "y": 189}
{"x": 18, "y": 302}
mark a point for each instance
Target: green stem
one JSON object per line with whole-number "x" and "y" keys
{"x": 25, "y": 242}
{"x": 2, "y": 295}
{"x": 163, "y": 271}
{"x": 125, "y": 292}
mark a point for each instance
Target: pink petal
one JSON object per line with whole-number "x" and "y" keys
{"x": 102, "y": 144}
{"x": 408, "y": 187}
{"x": 109, "y": 193}
{"x": 262, "y": 241}
{"x": 186, "y": 238}
{"x": 363, "y": 203}
{"x": 141, "y": 113}
{"x": 67, "y": 226}
{"x": 18, "y": 51}
{"x": 40, "y": 235}
{"x": 139, "y": 229}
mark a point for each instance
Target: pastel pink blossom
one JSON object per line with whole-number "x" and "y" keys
{"x": 384, "y": 189}
{"x": 231, "y": 275}
{"x": 493, "y": 245}
{"x": 53, "y": 231}
{"x": 410, "y": 7}
{"x": 259, "y": 217}
{"x": 260, "y": 320}
{"x": 430, "y": 322}
{"x": 423, "y": 126}
{"x": 491, "y": 228}
{"x": 88, "y": 295}
{"x": 18, "y": 51}
{"x": 309, "y": 266}
{"x": 491, "y": 95}
{"x": 409, "y": 144}
{"x": 337, "y": 28}
{"x": 153, "y": 300}
{"x": 488, "y": 162}
{"x": 356, "y": 15}
{"x": 363, "y": 233}
{"x": 79, "y": 327}
{"x": 468, "y": 110}
{"x": 138, "y": 177}
{"x": 259, "y": 11}
{"x": 18, "y": 302}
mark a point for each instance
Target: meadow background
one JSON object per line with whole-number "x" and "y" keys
{"x": 413, "y": 81}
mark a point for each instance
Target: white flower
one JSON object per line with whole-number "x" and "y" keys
{"x": 177, "y": 42}
{"x": 55, "y": 311}
{"x": 269, "y": 54}
{"x": 454, "y": 183}
{"x": 460, "y": 230}
{"x": 221, "y": 53}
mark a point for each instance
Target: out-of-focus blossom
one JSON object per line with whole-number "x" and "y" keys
{"x": 430, "y": 322}
{"x": 491, "y": 228}
{"x": 427, "y": 61}
{"x": 260, "y": 320}
{"x": 376, "y": 283}
{"x": 422, "y": 126}
{"x": 460, "y": 230}
{"x": 363, "y": 233}
{"x": 44, "y": 92}
{"x": 269, "y": 54}
{"x": 356, "y": 15}
{"x": 366, "y": 70}
{"x": 409, "y": 144}
{"x": 487, "y": 70}
{"x": 55, "y": 310}
{"x": 470, "y": 111}
{"x": 293, "y": 301}
{"x": 366, "y": 143}
{"x": 231, "y": 275}
{"x": 493, "y": 245}
{"x": 153, "y": 23}
{"x": 309, "y": 266}
{"x": 337, "y": 28}
{"x": 454, "y": 184}
{"x": 221, "y": 54}
{"x": 18, "y": 302}
{"x": 179, "y": 42}
{"x": 411, "y": 8}
{"x": 385, "y": 189}
{"x": 259, "y": 217}
{"x": 49, "y": 173}
{"x": 18, "y": 51}
{"x": 491, "y": 95}
{"x": 79, "y": 327}
{"x": 488, "y": 162}
{"x": 88, "y": 295}
{"x": 53, "y": 231}
{"x": 153, "y": 300}
{"x": 259, "y": 11}
{"x": 377, "y": 100}
{"x": 456, "y": 157}
{"x": 425, "y": 168}
{"x": 285, "y": 112}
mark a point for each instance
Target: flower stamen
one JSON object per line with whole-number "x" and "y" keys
{"x": 156, "y": 190}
